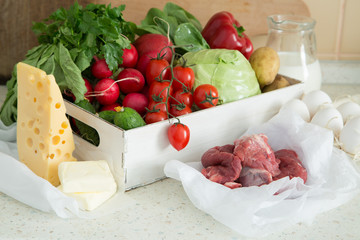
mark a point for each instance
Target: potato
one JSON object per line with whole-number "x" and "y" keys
{"x": 279, "y": 82}
{"x": 265, "y": 62}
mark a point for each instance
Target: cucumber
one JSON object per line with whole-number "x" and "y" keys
{"x": 86, "y": 132}
{"x": 108, "y": 115}
{"x": 127, "y": 118}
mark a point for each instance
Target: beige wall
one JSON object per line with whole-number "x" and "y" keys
{"x": 337, "y": 29}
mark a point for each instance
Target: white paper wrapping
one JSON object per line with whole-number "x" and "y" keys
{"x": 20, "y": 183}
{"x": 259, "y": 211}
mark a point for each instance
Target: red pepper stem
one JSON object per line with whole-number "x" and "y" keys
{"x": 239, "y": 30}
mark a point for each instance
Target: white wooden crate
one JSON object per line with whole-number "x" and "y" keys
{"x": 137, "y": 156}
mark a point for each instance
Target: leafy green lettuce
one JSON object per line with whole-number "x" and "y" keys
{"x": 228, "y": 70}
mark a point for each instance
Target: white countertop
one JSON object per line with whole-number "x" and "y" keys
{"x": 162, "y": 210}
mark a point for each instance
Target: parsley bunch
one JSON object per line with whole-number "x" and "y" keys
{"x": 68, "y": 41}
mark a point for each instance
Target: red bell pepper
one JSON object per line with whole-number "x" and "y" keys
{"x": 224, "y": 31}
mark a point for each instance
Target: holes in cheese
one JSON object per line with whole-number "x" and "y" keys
{"x": 41, "y": 146}
{"x": 39, "y": 87}
{"x": 30, "y": 123}
{"x": 64, "y": 125}
{"x": 29, "y": 142}
{"x": 55, "y": 140}
{"x": 42, "y": 139}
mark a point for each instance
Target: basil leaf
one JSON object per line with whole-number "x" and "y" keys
{"x": 188, "y": 37}
{"x": 181, "y": 14}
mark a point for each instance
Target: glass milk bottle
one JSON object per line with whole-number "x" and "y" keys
{"x": 293, "y": 38}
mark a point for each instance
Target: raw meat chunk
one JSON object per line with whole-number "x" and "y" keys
{"x": 254, "y": 177}
{"x": 214, "y": 155}
{"x": 255, "y": 152}
{"x": 232, "y": 185}
{"x": 290, "y": 165}
{"x": 221, "y": 165}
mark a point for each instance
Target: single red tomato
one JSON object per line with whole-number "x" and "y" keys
{"x": 159, "y": 91}
{"x": 178, "y": 135}
{"x": 182, "y": 97}
{"x": 186, "y": 77}
{"x": 179, "y": 109}
{"x": 152, "y": 117}
{"x": 157, "y": 69}
{"x": 158, "y": 106}
{"x": 206, "y": 96}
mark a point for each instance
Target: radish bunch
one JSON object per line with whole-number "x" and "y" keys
{"x": 126, "y": 86}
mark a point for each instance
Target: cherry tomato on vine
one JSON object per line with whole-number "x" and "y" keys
{"x": 206, "y": 96}
{"x": 156, "y": 69}
{"x": 179, "y": 110}
{"x": 185, "y": 75}
{"x": 153, "y": 105}
{"x": 178, "y": 135}
{"x": 152, "y": 117}
{"x": 159, "y": 91}
{"x": 182, "y": 97}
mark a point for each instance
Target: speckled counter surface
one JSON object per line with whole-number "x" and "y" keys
{"x": 163, "y": 211}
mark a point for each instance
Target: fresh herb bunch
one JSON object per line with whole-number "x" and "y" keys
{"x": 68, "y": 41}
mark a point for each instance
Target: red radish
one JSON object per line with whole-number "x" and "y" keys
{"x": 106, "y": 91}
{"x": 100, "y": 69}
{"x": 154, "y": 42}
{"x": 110, "y": 107}
{"x": 144, "y": 61}
{"x": 136, "y": 101}
{"x": 86, "y": 95}
{"x": 131, "y": 80}
{"x": 89, "y": 90}
{"x": 130, "y": 57}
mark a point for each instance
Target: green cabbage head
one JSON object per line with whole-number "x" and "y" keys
{"x": 228, "y": 70}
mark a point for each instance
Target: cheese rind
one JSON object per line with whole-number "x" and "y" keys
{"x": 86, "y": 176}
{"x": 44, "y": 135}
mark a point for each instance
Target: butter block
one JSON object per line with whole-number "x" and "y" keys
{"x": 44, "y": 135}
{"x": 86, "y": 176}
{"x": 90, "y": 183}
{"x": 89, "y": 200}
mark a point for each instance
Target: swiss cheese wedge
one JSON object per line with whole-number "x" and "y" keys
{"x": 44, "y": 135}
